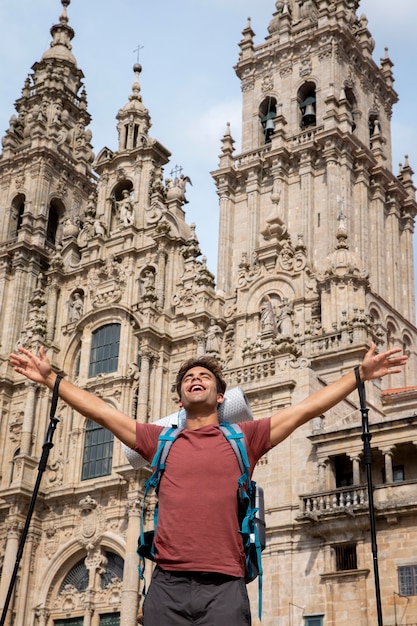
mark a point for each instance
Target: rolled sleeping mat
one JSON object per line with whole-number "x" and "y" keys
{"x": 234, "y": 408}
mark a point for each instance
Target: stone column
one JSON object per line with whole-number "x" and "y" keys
{"x": 160, "y": 284}
{"x": 143, "y": 394}
{"x": 27, "y": 426}
{"x": 130, "y": 590}
{"x": 42, "y": 616}
{"x": 51, "y": 311}
{"x": 388, "y": 452}
{"x": 322, "y": 465}
{"x": 23, "y": 601}
{"x": 87, "y": 616}
{"x": 12, "y": 543}
{"x": 356, "y": 470}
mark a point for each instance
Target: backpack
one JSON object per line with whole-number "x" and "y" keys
{"x": 250, "y": 504}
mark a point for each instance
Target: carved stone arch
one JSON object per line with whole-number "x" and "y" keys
{"x": 375, "y": 313}
{"x": 93, "y": 320}
{"x": 407, "y": 343}
{"x": 377, "y": 323}
{"x": 104, "y": 155}
{"x": 393, "y": 333}
{"x": 55, "y": 600}
{"x": 64, "y": 558}
{"x": 282, "y": 288}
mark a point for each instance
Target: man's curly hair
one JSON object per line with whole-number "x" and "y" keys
{"x": 210, "y": 364}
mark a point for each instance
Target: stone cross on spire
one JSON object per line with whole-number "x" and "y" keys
{"x": 137, "y": 50}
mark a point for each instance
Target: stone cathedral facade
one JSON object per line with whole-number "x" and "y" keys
{"x": 99, "y": 264}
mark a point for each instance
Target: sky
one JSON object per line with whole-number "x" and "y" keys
{"x": 187, "y": 50}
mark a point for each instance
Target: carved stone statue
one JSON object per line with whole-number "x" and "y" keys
{"x": 125, "y": 208}
{"x": 76, "y": 307}
{"x": 214, "y": 338}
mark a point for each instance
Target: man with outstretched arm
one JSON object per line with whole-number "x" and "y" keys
{"x": 193, "y": 583}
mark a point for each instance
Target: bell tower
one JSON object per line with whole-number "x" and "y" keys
{"x": 45, "y": 177}
{"x": 314, "y": 179}
{"x": 315, "y": 261}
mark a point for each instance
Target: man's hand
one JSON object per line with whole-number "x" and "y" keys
{"x": 377, "y": 365}
{"x": 36, "y": 368}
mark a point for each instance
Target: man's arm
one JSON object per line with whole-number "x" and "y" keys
{"x": 38, "y": 369}
{"x": 373, "y": 366}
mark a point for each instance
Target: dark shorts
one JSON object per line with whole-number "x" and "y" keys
{"x": 201, "y": 599}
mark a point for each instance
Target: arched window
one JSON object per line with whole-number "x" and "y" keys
{"x": 16, "y": 454}
{"x": 104, "y": 356}
{"x": 77, "y": 577}
{"x": 374, "y": 128}
{"x": 307, "y": 105}
{"x": 53, "y": 222}
{"x": 267, "y": 113}
{"x": 18, "y": 208}
{"x": 351, "y": 101}
{"x": 113, "y": 570}
{"x": 98, "y": 452}
{"x": 81, "y": 585}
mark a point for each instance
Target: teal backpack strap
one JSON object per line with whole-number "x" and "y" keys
{"x": 235, "y": 437}
{"x": 166, "y": 439}
{"x": 247, "y": 498}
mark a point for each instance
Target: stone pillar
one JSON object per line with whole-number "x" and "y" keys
{"x": 322, "y": 465}
{"x": 22, "y": 617}
{"x": 200, "y": 340}
{"x": 388, "y": 452}
{"x": 160, "y": 286}
{"x": 51, "y": 311}
{"x": 143, "y": 394}
{"x": 27, "y": 426}
{"x": 42, "y": 616}
{"x": 130, "y": 590}
{"x": 87, "y": 616}
{"x": 10, "y": 553}
{"x": 356, "y": 470}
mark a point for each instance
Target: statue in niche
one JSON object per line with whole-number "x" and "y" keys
{"x": 285, "y": 325}
{"x": 99, "y": 227}
{"x": 268, "y": 317}
{"x": 76, "y": 306}
{"x": 148, "y": 280}
{"x": 125, "y": 208}
{"x": 148, "y": 285}
{"x": 214, "y": 338}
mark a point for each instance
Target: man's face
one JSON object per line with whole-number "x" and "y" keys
{"x": 199, "y": 386}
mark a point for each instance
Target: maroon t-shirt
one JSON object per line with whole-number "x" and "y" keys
{"x": 198, "y": 523}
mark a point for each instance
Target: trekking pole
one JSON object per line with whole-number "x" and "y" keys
{"x": 367, "y": 456}
{"x": 47, "y": 445}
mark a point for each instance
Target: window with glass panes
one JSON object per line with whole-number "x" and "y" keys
{"x": 407, "y": 580}
{"x": 71, "y": 621}
{"x": 313, "y": 620}
{"x": 104, "y": 356}
{"x": 110, "y": 619}
{"x": 98, "y": 451}
{"x": 77, "y": 577}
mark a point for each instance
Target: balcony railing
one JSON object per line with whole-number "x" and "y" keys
{"x": 340, "y": 500}
{"x": 354, "y": 499}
